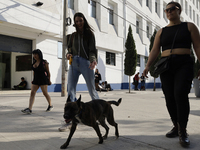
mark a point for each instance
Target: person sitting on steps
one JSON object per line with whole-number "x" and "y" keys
{"x": 21, "y": 86}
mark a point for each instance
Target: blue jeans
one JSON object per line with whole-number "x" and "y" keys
{"x": 81, "y": 66}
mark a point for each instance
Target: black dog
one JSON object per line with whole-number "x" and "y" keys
{"x": 88, "y": 114}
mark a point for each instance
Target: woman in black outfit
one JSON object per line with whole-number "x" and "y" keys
{"x": 176, "y": 82}
{"x": 41, "y": 79}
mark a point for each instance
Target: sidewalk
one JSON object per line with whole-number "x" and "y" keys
{"x": 142, "y": 120}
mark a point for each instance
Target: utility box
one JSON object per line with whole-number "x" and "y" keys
{"x": 196, "y": 87}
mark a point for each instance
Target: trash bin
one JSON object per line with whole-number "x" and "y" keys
{"x": 196, "y": 87}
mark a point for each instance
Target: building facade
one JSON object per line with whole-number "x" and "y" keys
{"x": 26, "y": 25}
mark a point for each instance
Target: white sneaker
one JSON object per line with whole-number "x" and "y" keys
{"x": 65, "y": 126}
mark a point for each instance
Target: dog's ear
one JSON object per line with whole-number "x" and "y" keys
{"x": 68, "y": 99}
{"x": 79, "y": 102}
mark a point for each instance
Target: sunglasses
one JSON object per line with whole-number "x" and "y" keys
{"x": 171, "y": 9}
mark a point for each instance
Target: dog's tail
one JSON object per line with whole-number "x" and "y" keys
{"x": 115, "y": 102}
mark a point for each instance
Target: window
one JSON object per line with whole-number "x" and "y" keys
{"x": 138, "y": 60}
{"x": 59, "y": 50}
{"x": 140, "y": 1}
{"x": 197, "y": 4}
{"x": 164, "y": 14}
{"x": 137, "y": 27}
{"x": 193, "y": 15}
{"x": 186, "y": 7}
{"x": 182, "y": 4}
{"x": 23, "y": 63}
{"x": 190, "y": 12}
{"x": 145, "y": 60}
{"x": 156, "y": 6}
{"x": 110, "y": 58}
{"x": 110, "y": 14}
{"x": 147, "y": 30}
{"x": 197, "y": 19}
{"x": 92, "y": 8}
{"x": 71, "y": 4}
{"x": 147, "y": 3}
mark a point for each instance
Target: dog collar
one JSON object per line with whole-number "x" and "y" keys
{"x": 78, "y": 116}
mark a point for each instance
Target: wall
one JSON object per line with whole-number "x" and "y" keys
{"x": 16, "y": 75}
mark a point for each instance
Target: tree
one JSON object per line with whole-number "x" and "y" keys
{"x": 152, "y": 68}
{"x": 130, "y": 61}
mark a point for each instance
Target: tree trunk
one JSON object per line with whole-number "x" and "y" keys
{"x": 154, "y": 86}
{"x": 129, "y": 84}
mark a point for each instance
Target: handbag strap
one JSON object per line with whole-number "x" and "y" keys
{"x": 174, "y": 38}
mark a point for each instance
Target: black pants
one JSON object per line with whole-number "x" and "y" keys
{"x": 136, "y": 85}
{"x": 176, "y": 85}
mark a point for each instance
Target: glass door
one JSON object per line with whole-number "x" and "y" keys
{"x": 5, "y": 70}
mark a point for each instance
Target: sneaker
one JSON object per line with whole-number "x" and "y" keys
{"x": 65, "y": 126}
{"x": 27, "y": 111}
{"x": 50, "y": 108}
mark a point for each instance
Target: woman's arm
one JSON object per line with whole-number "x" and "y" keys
{"x": 92, "y": 48}
{"x": 154, "y": 52}
{"x": 92, "y": 52}
{"x": 195, "y": 40}
{"x": 48, "y": 72}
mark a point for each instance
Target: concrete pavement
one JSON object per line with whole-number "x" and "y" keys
{"x": 142, "y": 120}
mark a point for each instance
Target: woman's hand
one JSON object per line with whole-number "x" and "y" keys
{"x": 145, "y": 72}
{"x": 68, "y": 56}
{"x": 92, "y": 65}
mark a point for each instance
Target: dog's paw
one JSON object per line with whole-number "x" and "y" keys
{"x": 64, "y": 146}
{"x": 117, "y": 135}
{"x": 104, "y": 137}
{"x": 101, "y": 141}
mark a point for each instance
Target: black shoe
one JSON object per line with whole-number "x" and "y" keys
{"x": 172, "y": 133}
{"x": 49, "y": 108}
{"x": 183, "y": 136}
{"x": 27, "y": 111}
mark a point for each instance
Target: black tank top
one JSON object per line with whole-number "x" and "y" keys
{"x": 40, "y": 78}
{"x": 183, "y": 37}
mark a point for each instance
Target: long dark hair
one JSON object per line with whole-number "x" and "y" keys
{"x": 176, "y": 4}
{"x": 39, "y": 52}
{"x": 87, "y": 28}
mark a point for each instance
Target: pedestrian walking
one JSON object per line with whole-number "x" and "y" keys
{"x": 176, "y": 39}
{"x": 41, "y": 79}
{"x": 142, "y": 79}
{"x": 83, "y": 54}
{"x": 136, "y": 81}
